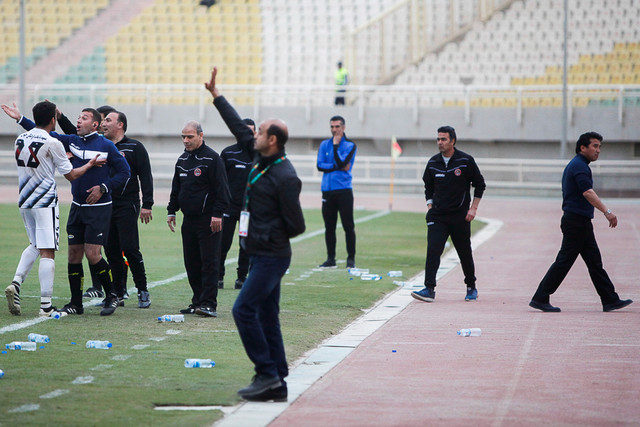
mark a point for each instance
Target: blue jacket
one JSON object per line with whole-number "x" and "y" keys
{"x": 84, "y": 149}
{"x": 332, "y": 160}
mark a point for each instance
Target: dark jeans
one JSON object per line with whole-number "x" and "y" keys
{"x": 256, "y": 315}
{"x": 440, "y": 227}
{"x": 201, "y": 251}
{"x": 123, "y": 237}
{"x": 228, "y": 232}
{"x": 334, "y": 202}
{"x": 577, "y": 239}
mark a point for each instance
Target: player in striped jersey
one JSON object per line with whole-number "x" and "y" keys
{"x": 38, "y": 155}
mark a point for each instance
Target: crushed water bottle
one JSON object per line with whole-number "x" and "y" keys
{"x": 199, "y": 363}
{"x": 38, "y": 338}
{"x": 395, "y": 273}
{"x": 99, "y": 344}
{"x": 58, "y": 314}
{"x": 470, "y": 332}
{"x": 370, "y": 277}
{"x": 21, "y": 345}
{"x": 171, "y": 318}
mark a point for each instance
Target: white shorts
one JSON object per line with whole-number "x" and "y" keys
{"x": 43, "y": 227}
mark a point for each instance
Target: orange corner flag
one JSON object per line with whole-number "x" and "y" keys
{"x": 396, "y": 150}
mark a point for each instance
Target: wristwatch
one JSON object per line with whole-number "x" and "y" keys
{"x": 103, "y": 188}
{"x": 609, "y": 211}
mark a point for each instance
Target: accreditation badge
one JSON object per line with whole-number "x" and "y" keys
{"x": 243, "y": 227}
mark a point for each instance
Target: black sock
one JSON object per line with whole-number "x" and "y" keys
{"x": 76, "y": 283}
{"x": 103, "y": 273}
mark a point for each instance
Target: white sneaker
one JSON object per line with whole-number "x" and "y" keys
{"x": 47, "y": 312}
{"x": 12, "y": 293}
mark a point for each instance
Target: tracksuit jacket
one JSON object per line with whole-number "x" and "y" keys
{"x": 448, "y": 186}
{"x": 199, "y": 185}
{"x": 331, "y": 159}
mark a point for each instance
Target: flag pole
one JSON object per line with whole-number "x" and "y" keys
{"x": 393, "y": 167}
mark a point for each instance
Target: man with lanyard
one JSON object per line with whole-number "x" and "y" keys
{"x": 271, "y": 216}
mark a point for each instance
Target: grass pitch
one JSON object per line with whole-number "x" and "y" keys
{"x": 65, "y": 383}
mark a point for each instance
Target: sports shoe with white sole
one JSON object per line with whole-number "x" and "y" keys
{"x": 12, "y": 293}
{"x": 47, "y": 312}
{"x": 472, "y": 294}
{"x": 71, "y": 309}
{"x": 111, "y": 302}
{"x": 143, "y": 299}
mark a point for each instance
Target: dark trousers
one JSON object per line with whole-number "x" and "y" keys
{"x": 256, "y": 315}
{"x": 440, "y": 227}
{"x": 334, "y": 202}
{"x": 123, "y": 237}
{"x": 228, "y": 232}
{"x": 577, "y": 239}
{"x": 201, "y": 252}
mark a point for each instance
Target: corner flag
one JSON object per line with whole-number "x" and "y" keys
{"x": 396, "y": 150}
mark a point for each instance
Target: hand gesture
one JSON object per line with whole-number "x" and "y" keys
{"x": 211, "y": 86}
{"x": 14, "y": 112}
{"x": 145, "y": 216}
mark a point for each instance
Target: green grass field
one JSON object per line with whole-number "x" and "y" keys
{"x": 73, "y": 385}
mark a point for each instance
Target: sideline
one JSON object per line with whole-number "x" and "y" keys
{"x": 319, "y": 361}
{"x": 34, "y": 321}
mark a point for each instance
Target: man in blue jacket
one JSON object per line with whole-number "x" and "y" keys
{"x": 90, "y": 214}
{"x": 335, "y": 158}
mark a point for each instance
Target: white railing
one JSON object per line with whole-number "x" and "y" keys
{"x": 375, "y": 171}
{"x": 310, "y": 96}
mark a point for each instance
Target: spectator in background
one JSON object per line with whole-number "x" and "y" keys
{"x": 123, "y": 233}
{"x": 335, "y": 158}
{"x": 199, "y": 189}
{"x": 342, "y": 79}
{"x": 448, "y": 178}
{"x": 237, "y": 159}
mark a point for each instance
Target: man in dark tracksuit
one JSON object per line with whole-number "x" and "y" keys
{"x": 123, "y": 233}
{"x": 447, "y": 181}
{"x": 237, "y": 159}
{"x": 199, "y": 189}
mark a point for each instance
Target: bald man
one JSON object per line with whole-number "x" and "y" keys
{"x": 199, "y": 189}
{"x": 271, "y": 215}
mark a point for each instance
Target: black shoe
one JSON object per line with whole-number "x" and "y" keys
{"x": 121, "y": 301}
{"x": 206, "y": 311}
{"x": 351, "y": 263}
{"x": 110, "y": 304}
{"x": 144, "y": 301}
{"x": 71, "y": 309}
{"x": 239, "y": 283}
{"x": 275, "y": 394}
{"x": 329, "y": 263}
{"x": 259, "y": 385}
{"x": 220, "y": 284}
{"x": 616, "y": 305}
{"x": 546, "y": 307}
{"x": 189, "y": 310}
{"x": 93, "y": 292}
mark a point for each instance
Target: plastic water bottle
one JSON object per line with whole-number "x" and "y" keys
{"x": 171, "y": 318}
{"x": 395, "y": 273}
{"x": 99, "y": 344}
{"x": 1, "y": 373}
{"x": 21, "y": 345}
{"x": 38, "y": 338}
{"x": 470, "y": 332}
{"x": 358, "y": 271}
{"x": 58, "y": 314}
{"x": 370, "y": 277}
{"x": 199, "y": 363}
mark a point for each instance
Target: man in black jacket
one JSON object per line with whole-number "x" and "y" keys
{"x": 199, "y": 189}
{"x": 123, "y": 233}
{"x": 270, "y": 217}
{"x": 237, "y": 159}
{"x": 447, "y": 181}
